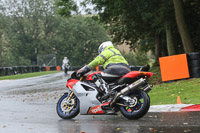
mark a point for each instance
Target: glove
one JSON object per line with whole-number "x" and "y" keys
{"x": 83, "y": 71}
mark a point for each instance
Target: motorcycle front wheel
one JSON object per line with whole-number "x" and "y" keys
{"x": 68, "y": 106}
{"x": 137, "y": 106}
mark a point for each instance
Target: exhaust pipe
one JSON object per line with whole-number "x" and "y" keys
{"x": 129, "y": 88}
{"x": 148, "y": 88}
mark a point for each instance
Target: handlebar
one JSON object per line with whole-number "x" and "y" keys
{"x": 74, "y": 75}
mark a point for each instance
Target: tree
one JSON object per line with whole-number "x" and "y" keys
{"x": 130, "y": 21}
{"x": 183, "y": 29}
{"x": 78, "y": 38}
{"x": 192, "y": 13}
{"x": 133, "y": 21}
{"x": 32, "y": 27}
{"x": 137, "y": 58}
{"x": 5, "y": 50}
{"x": 170, "y": 43}
{"x": 66, "y": 7}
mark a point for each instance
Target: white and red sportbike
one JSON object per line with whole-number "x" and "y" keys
{"x": 127, "y": 94}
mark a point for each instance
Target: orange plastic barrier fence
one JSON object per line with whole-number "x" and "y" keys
{"x": 174, "y": 67}
{"x": 47, "y": 68}
{"x": 58, "y": 68}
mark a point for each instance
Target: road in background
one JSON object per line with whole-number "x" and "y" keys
{"x": 29, "y": 105}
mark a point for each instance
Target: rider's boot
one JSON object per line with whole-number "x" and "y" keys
{"x": 100, "y": 83}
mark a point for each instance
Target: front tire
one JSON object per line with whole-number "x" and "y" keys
{"x": 139, "y": 109}
{"x": 68, "y": 108}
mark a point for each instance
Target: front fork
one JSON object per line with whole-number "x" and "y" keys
{"x": 67, "y": 104}
{"x": 70, "y": 95}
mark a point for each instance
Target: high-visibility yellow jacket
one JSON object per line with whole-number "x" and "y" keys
{"x": 109, "y": 55}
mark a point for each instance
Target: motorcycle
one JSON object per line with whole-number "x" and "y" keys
{"x": 128, "y": 95}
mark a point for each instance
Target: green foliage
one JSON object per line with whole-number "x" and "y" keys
{"x": 78, "y": 38}
{"x": 66, "y": 7}
{"x": 5, "y": 53}
{"x": 139, "y": 58}
{"x": 27, "y": 25}
{"x": 31, "y": 25}
{"x": 156, "y": 78}
{"x": 34, "y": 25}
{"x": 129, "y": 21}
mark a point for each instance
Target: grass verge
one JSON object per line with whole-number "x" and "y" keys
{"x": 27, "y": 75}
{"x": 166, "y": 93}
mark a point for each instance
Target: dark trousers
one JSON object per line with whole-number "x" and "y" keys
{"x": 114, "y": 72}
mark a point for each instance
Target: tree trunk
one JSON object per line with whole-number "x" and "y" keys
{"x": 170, "y": 44}
{"x": 182, "y": 27}
{"x": 157, "y": 47}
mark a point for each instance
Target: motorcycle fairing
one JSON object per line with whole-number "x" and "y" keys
{"x": 134, "y": 74}
{"x": 71, "y": 82}
{"x": 89, "y": 76}
{"x": 87, "y": 98}
{"x": 98, "y": 109}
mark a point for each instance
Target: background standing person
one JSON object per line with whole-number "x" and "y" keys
{"x": 65, "y": 65}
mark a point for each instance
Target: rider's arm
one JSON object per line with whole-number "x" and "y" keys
{"x": 96, "y": 62}
{"x": 100, "y": 59}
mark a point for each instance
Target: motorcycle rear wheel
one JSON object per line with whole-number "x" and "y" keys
{"x": 68, "y": 108}
{"x": 140, "y": 109}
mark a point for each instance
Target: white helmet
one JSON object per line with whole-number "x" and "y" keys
{"x": 104, "y": 45}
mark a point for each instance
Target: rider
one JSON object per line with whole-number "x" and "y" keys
{"x": 65, "y": 62}
{"x": 113, "y": 62}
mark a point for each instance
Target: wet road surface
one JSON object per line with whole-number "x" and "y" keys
{"x": 29, "y": 105}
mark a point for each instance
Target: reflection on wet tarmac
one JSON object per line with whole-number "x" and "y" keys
{"x": 168, "y": 122}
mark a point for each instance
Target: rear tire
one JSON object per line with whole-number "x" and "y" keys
{"x": 67, "y": 109}
{"x": 140, "y": 109}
